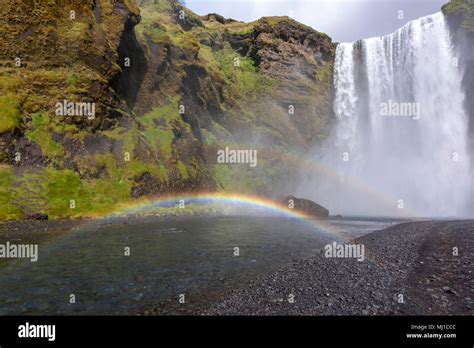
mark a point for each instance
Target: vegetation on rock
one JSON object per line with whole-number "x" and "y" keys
{"x": 463, "y": 9}
{"x": 170, "y": 88}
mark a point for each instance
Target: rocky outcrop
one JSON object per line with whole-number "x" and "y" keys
{"x": 305, "y": 206}
{"x": 300, "y": 60}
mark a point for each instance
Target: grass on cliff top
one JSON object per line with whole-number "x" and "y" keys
{"x": 159, "y": 23}
{"x": 239, "y": 28}
{"x": 464, "y": 8}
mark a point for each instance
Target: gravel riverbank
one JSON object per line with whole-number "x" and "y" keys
{"x": 413, "y": 259}
{"x": 35, "y": 231}
{"x": 409, "y": 269}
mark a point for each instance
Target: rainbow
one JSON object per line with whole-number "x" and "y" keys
{"x": 228, "y": 199}
{"x": 331, "y": 174}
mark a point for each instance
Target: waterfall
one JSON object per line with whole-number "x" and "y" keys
{"x": 399, "y": 145}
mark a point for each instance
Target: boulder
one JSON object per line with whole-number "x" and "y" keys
{"x": 37, "y": 216}
{"x": 305, "y": 206}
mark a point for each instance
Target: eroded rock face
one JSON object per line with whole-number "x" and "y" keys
{"x": 301, "y": 60}
{"x": 282, "y": 47}
{"x": 305, "y": 206}
{"x": 70, "y": 51}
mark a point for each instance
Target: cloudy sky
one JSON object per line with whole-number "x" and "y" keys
{"x": 343, "y": 20}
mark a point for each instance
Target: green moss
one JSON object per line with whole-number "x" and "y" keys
{"x": 68, "y": 129}
{"x": 9, "y": 114}
{"x": 324, "y": 74}
{"x": 223, "y": 175}
{"x": 107, "y": 194}
{"x": 242, "y": 178}
{"x": 115, "y": 133}
{"x": 130, "y": 139}
{"x": 63, "y": 194}
{"x": 158, "y": 126}
{"x": 64, "y": 187}
{"x": 28, "y": 192}
{"x": 244, "y": 31}
{"x": 183, "y": 171}
{"x": 186, "y": 41}
{"x": 465, "y": 8}
{"x": 72, "y": 80}
{"x": 10, "y": 81}
{"x": 156, "y": 20}
{"x": 66, "y": 194}
{"x": 8, "y": 211}
{"x": 158, "y": 35}
{"x": 207, "y": 58}
{"x": 58, "y": 193}
{"x": 78, "y": 31}
{"x": 241, "y": 73}
{"x": 40, "y": 134}
{"x": 162, "y": 5}
{"x": 159, "y": 139}
{"x": 163, "y": 173}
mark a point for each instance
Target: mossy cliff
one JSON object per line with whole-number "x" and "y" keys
{"x": 170, "y": 88}
{"x": 460, "y": 17}
{"x": 460, "y": 13}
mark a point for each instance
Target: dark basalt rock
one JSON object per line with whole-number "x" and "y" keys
{"x": 38, "y": 216}
{"x": 214, "y": 17}
{"x": 305, "y": 206}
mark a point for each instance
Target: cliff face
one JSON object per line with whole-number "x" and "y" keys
{"x": 168, "y": 89}
{"x": 460, "y": 17}
{"x": 265, "y": 85}
{"x": 51, "y": 52}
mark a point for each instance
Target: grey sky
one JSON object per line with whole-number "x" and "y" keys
{"x": 343, "y": 20}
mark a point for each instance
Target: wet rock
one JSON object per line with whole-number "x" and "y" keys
{"x": 38, "y": 216}
{"x": 305, "y": 206}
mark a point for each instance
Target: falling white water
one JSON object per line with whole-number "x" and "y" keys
{"x": 381, "y": 161}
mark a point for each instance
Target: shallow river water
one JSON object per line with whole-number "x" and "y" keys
{"x": 167, "y": 257}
